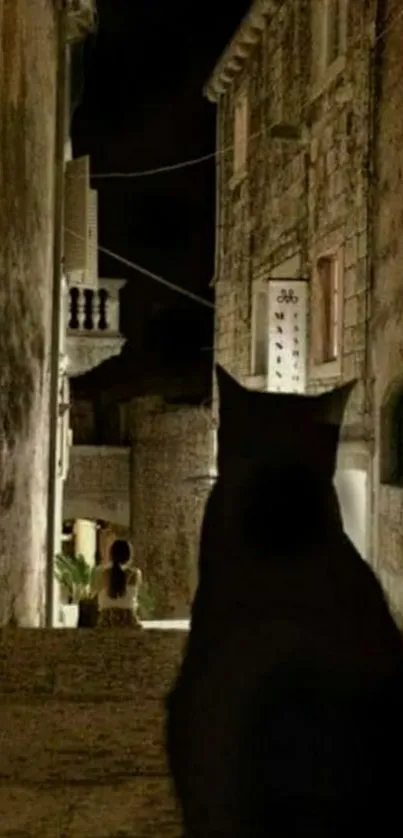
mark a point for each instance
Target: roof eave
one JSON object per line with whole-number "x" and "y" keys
{"x": 233, "y": 58}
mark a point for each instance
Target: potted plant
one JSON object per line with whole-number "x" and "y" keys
{"x": 75, "y": 575}
{"x": 146, "y": 602}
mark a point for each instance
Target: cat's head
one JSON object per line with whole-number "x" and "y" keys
{"x": 284, "y": 431}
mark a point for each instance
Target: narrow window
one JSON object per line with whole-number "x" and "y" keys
{"x": 326, "y": 318}
{"x": 260, "y": 332}
{"x": 333, "y": 31}
{"x": 240, "y": 134}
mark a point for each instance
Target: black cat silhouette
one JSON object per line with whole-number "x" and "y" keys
{"x": 285, "y": 719}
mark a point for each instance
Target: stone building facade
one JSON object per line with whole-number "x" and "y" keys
{"x": 37, "y": 40}
{"x": 28, "y": 73}
{"x": 386, "y": 331}
{"x": 308, "y": 191}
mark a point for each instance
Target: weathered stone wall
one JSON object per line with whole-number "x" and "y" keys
{"x": 82, "y": 734}
{"x": 298, "y": 197}
{"x": 338, "y": 196}
{"x": 387, "y": 333}
{"x": 27, "y": 135}
{"x": 98, "y": 484}
{"x": 171, "y": 450}
{"x": 341, "y": 186}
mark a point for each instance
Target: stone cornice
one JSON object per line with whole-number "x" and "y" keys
{"x": 239, "y": 48}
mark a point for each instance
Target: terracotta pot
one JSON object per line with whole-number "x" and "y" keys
{"x": 87, "y": 613}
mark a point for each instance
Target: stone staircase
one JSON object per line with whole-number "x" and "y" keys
{"x": 81, "y": 734}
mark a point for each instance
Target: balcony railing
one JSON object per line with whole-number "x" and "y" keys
{"x": 94, "y": 311}
{"x": 93, "y": 333}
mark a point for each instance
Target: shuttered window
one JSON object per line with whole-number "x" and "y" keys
{"x": 80, "y": 224}
{"x": 326, "y": 309}
{"x": 92, "y": 240}
{"x": 260, "y": 333}
{"x": 240, "y": 134}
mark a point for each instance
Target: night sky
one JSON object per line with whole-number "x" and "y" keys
{"x": 143, "y": 108}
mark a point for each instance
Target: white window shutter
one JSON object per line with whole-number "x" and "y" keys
{"x": 64, "y": 427}
{"x": 91, "y": 280}
{"x": 260, "y": 330}
{"x": 76, "y": 216}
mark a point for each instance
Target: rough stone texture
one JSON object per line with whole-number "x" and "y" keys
{"x": 171, "y": 450}
{"x": 387, "y": 330}
{"x": 88, "y": 351}
{"x": 295, "y": 200}
{"x": 98, "y": 484}
{"x": 27, "y": 130}
{"x": 81, "y": 734}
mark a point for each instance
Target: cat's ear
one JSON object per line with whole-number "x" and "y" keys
{"x": 229, "y": 390}
{"x": 333, "y": 403}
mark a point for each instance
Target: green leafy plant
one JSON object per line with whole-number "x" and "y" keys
{"x": 76, "y": 575}
{"x": 146, "y": 601}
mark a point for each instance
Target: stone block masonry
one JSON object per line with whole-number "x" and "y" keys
{"x": 170, "y": 464}
{"x": 82, "y": 734}
{"x": 98, "y": 484}
{"x": 28, "y": 55}
{"x": 297, "y": 199}
{"x": 387, "y": 303}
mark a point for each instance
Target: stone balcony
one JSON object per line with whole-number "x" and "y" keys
{"x": 98, "y": 484}
{"x": 93, "y": 333}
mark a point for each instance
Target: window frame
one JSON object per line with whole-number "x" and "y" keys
{"x": 333, "y": 47}
{"x": 329, "y": 278}
{"x": 391, "y": 453}
{"x": 258, "y": 378}
{"x": 398, "y": 438}
{"x": 324, "y": 70}
{"x": 325, "y": 364}
{"x": 240, "y": 134}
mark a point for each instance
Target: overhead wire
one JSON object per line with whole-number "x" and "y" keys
{"x": 150, "y": 274}
{"x": 184, "y": 164}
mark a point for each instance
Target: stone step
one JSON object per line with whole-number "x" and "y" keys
{"x": 82, "y": 733}
{"x": 63, "y": 743}
{"x": 139, "y": 808}
{"x": 85, "y": 664}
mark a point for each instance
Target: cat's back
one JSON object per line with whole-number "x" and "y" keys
{"x": 290, "y": 636}
{"x": 313, "y": 597}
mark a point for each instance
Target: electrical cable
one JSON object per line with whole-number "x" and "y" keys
{"x": 221, "y": 152}
{"x": 185, "y": 164}
{"x": 150, "y": 274}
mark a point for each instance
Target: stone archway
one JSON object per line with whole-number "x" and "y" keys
{"x": 391, "y": 434}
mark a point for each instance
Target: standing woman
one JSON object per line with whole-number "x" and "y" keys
{"x": 117, "y": 584}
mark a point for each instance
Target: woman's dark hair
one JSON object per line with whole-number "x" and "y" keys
{"x": 119, "y": 555}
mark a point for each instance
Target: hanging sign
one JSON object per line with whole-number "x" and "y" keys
{"x": 288, "y": 312}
